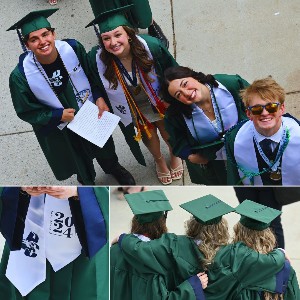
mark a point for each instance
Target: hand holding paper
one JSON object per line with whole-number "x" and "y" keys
{"x": 87, "y": 124}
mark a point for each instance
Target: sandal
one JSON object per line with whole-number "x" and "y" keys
{"x": 52, "y": 2}
{"x": 179, "y": 169}
{"x": 161, "y": 176}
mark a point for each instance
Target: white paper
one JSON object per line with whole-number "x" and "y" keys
{"x": 87, "y": 125}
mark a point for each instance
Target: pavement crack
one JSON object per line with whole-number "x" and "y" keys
{"x": 173, "y": 29}
{"x": 14, "y": 133}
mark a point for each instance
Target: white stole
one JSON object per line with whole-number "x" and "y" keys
{"x": 117, "y": 97}
{"x": 204, "y": 129}
{"x": 245, "y": 155}
{"x": 49, "y": 234}
{"x": 41, "y": 89}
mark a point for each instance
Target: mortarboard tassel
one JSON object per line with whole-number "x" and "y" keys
{"x": 96, "y": 31}
{"x": 21, "y": 41}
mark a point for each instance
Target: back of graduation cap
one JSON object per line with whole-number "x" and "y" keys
{"x": 256, "y": 216}
{"x": 111, "y": 19}
{"x": 208, "y": 209}
{"x": 148, "y": 206}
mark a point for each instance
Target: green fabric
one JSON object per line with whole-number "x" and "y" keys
{"x": 111, "y": 19}
{"x": 33, "y": 21}
{"x": 207, "y": 209}
{"x": 164, "y": 279}
{"x": 181, "y": 138}
{"x": 162, "y": 60}
{"x": 81, "y": 279}
{"x": 148, "y": 206}
{"x": 233, "y": 177}
{"x": 140, "y": 15}
{"x": 255, "y": 215}
{"x": 234, "y": 269}
{"x": 65, "y": 151}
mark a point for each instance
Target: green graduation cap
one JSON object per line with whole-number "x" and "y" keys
{"x": 33, "y": 21}
{"x": 256, "y": 216}
{"x": 208, "y": 209}
{"x": 112, "y": 19}
{"x": 148, "y": 206}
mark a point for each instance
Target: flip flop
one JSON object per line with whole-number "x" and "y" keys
{"x": 176, "y": 170}
{"x": 161, "y": 176}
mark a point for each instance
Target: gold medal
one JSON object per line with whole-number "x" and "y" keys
{"x": 275, "y": 175}
{"x": 137, "y": 89}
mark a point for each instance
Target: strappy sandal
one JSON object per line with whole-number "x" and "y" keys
{"x": 161, "y": 176}
{"x": 52, "y": 2}
{"x": 177, "y": 170}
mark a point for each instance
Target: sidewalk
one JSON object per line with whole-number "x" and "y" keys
{"x": 121, "y": 215}
{"x": 252, "y": 38}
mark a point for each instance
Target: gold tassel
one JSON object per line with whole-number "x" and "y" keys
{"x": 149, "y": 135}
{"x": 138, "y": 136}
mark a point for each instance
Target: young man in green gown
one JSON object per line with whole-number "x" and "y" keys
{"x": 48, "y": 87}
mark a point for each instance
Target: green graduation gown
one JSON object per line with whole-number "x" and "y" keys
{"x": 181, "y": 138}
{"x": 235, "y": 269}
{"x": 82, "y": 279}
{"x": 161, "y": 277}
{"x": 162, "y": 60}
{"x": 65, "y": 151}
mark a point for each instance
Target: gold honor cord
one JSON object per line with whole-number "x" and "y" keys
{"x": 137, "y": 114}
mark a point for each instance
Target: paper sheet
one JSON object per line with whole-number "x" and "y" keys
{"x": 87, "y": 125}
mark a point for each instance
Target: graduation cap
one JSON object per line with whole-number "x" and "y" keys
{"x": 111, "y": 19}
{"x": 208, "y": 209}
{"x": 256, "y": 216}
{"x": 33, "y": 21}
{"x": 148, "y": 206}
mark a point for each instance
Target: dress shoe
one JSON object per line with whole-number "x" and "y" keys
{"x": 122, "y": 175}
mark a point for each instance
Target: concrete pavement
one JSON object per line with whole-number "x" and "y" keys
{"x": 252, "y": 38}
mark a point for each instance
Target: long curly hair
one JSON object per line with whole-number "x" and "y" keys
{"x": 262, "y": 241}
{"x": 212, "y": 237}
{"x": 139, "y": 55}
{"x": 178, "y": 72}
{"x": 153, "y": 230}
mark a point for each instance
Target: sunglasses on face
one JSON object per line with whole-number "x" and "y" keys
{"x": 269, "y": 107}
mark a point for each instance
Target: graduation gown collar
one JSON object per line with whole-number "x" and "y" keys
{"x": 41, "y": 88}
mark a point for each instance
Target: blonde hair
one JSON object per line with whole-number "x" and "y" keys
{"x": 268, "y": 90}
{"x": 212, "y": 237}
{"x": 262, "y": 241}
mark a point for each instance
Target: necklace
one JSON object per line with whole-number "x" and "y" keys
{"x": 133, "y": 80}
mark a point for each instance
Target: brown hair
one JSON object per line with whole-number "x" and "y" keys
{"x": 262, "y": 241}
{"x": 153, "y": 230}
{"x": 178, "y": 72}
{"x": 139, "y": 55}
{"x": 26, "y": 37}
{"x": 268, "y": 89}
{"x": 212, "y": 237}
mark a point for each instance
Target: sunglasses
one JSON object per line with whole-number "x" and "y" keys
{"x": 269, "y": 107}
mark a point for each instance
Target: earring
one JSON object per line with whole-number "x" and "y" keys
{"x": 130, "y": 40}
